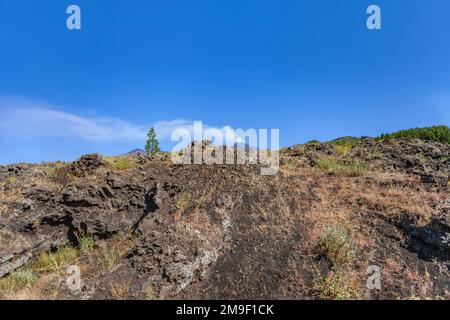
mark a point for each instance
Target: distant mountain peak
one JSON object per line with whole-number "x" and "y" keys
{"x": 243, "y": 146}
{"x": 135, "y": 151}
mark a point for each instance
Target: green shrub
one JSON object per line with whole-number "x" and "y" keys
{"x": 436, "y": 133}
{"x": 122, "y": 164}
{"x": 183, "y": 201}
{"x": 85, "y": 242}
{"x": 337, "y": 246}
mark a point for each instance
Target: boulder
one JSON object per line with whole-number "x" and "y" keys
{"x": 86, "y": 165}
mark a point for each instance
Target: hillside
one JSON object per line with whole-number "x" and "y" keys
{"x": 141, "y": 228}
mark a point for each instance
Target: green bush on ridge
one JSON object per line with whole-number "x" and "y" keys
{"x": 435, "y": 133}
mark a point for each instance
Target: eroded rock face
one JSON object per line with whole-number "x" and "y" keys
{"x": 103, "y": 210}
{"x": 46, "y": 218}
{"x": 170, "y": 256}
{"x": 430, "y": 242}
{"x": 443, "y": 217}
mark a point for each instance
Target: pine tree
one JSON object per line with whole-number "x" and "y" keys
{"x": 152, "y": 145}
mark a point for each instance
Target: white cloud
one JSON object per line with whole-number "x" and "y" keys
{"x": 165, "y": 128}
{"x": 22, "y": 117}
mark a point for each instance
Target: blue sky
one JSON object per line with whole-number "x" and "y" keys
{"x": 310, "y": 68}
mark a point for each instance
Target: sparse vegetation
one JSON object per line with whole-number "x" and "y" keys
{"x": 12, "y": 180}
{"x": 290, "y": 164}
{"x": 300, "y": 148}
{"x": 41, "y": 279}
{"x": 375, "y": 154}
{"x": 49, "y": 261}
{"x": 17, "y": 280}
{"x": 109, "y": 256}
{"x": 120, "y": 163}
{"x": 333, "y": 165}
{"x": 333, "y": 286}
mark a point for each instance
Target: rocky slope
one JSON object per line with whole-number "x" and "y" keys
{"x": 141, "y": 228}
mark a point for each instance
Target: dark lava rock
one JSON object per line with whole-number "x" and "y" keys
{"x": 86, "y": 165}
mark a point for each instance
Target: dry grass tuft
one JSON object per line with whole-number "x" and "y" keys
{"x": 182, "y": 201}
{"x": 120, "y": 290}
{"x": 120, "y": 163}
{"x": 333, "y": 286}
{"x": 342, "y": 149}
{"x": 55, "y": 262}
{"x": 17, "y": 281}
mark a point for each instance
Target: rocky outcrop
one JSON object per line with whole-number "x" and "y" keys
{"x": 426, "y": 159}
{"x": 102, "y": 210}
{"x": 86, "y": 165}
